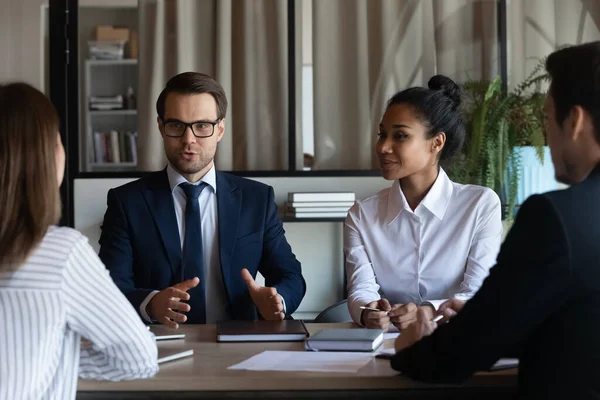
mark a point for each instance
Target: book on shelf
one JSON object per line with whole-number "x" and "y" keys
{"x": 115, "y": 147}
{"x": 345, "y": 339}
{"x": 294, "y": 197}
{"x": 261, "y": 331}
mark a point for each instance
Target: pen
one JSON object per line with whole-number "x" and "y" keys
{"x": 370, "y": 308}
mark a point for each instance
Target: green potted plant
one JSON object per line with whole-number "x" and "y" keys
{"x": 498, "y": 125}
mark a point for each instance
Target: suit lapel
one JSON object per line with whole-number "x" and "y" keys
{"x": 229, "y": 202}
{"x": 159, "y": 198}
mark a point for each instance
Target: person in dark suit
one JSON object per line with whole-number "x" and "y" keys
{"x": 541, "y": 300}
{"x": 185, "y": 244}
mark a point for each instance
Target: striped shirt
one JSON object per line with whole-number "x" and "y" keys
{"x": 61, "y": 294}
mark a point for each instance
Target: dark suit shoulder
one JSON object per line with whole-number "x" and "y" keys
{"x": 584, "y": 193}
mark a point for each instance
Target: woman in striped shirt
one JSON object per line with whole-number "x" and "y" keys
{"x": 54, "y": 290}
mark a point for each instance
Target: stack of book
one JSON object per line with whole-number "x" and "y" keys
{"x": 318, "y": 204}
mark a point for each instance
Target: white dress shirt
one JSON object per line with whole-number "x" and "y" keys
{"x": 61, "y": 294}
{"x": 216, "y": 297}
{"x": 444, "y": 247}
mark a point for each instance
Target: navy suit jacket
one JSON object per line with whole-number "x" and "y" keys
{"x": 141, "y": 248}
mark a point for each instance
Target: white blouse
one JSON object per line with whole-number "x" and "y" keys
{"x": 61, "y": 294}
{"x": 445, "y": 247}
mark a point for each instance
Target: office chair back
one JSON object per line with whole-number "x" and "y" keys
{"x": 337, "y": 312}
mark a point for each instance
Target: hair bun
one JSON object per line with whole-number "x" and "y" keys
{"x": 448, "y": 86}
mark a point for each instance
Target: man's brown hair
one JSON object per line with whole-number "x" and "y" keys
{"x": 193, "y": 83}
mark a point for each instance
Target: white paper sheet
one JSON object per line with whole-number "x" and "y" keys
{"x": 321, "y": 361}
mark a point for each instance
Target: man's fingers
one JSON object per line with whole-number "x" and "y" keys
{"x": 173, "y": 292}
{"x": 276, "y": 317}
{"x": 405, "y": 324}
{"x": 179, "y": 306}
{"x": 171, "y": 324}
{"x": 278, "y": 307}
{"x": 430, "y": 327}
{"x": 448, "y": 313}
{"x": 176, "y": 316}
{"x": 187, "y": 285}
{"x": 444, "y": 305}
{"x": 250, "y": 282}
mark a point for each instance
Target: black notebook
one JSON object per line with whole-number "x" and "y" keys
{"x": 261, "y": 331}
{"x": 345, "y": 340}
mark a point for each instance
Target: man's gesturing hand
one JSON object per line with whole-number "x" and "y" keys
{"x": 164, "y": 304}
{"x": 266, "y": 299}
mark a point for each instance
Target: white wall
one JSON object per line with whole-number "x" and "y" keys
{"x": 22, "y": 41}
{"x": 318, "y": 246}
{"x": 24, "y": 34}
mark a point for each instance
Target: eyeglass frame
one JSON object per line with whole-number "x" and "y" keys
{"x": 191, "y": 126}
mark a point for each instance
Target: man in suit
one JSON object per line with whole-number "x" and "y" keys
{"x": 184, "y": 244}
{"x": 541, "y": 300}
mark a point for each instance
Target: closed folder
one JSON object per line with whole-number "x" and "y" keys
{"x": 345, "y": 340}
{"x": 261, "y": 331}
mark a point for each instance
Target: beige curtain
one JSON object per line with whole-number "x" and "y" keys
{"x": 243, "y": 44}
{"x": 537, "y": 27}
{"x": 364, "y": 51}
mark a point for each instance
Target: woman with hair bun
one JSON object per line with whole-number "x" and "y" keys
{"x": 425, "y": 239}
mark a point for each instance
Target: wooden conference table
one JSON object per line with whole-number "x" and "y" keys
{"x": 205, "y": 376}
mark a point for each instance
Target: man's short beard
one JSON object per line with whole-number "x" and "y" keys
{"x": 189, "y": 169}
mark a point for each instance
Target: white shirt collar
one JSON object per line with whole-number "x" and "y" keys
{"x": 436, "y": 200}
{"x": 175, "y": 178}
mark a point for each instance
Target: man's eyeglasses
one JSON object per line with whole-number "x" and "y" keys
{"x": 200, "y": 129}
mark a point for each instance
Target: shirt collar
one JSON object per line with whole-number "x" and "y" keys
{"x": 175, "y": 178}
{"x": 436, "y": 200}
{"x": 439, "y": 195}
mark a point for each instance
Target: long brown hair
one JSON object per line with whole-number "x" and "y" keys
{"x": 29, "y": 193}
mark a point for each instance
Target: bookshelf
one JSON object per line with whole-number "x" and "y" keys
{"x": 104, "y": 78}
